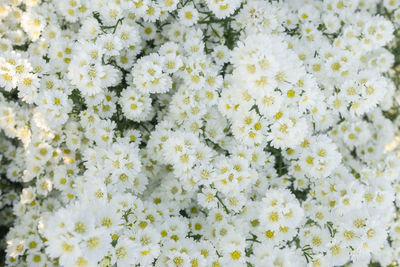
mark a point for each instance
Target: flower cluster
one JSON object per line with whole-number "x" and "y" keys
{"x": 188, "y": 133}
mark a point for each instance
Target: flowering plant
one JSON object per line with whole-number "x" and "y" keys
{"x": 199, "y": 132}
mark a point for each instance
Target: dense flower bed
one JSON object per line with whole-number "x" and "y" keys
{"x": 199, "y": 132}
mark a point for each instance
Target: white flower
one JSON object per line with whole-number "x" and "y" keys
{"x": 135, "y": 104}
{"x": 125, "y": 252}
{"x": 188, "y": 15}
{"x": 148, "y": 76}
{"x": 224, "y": 8}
